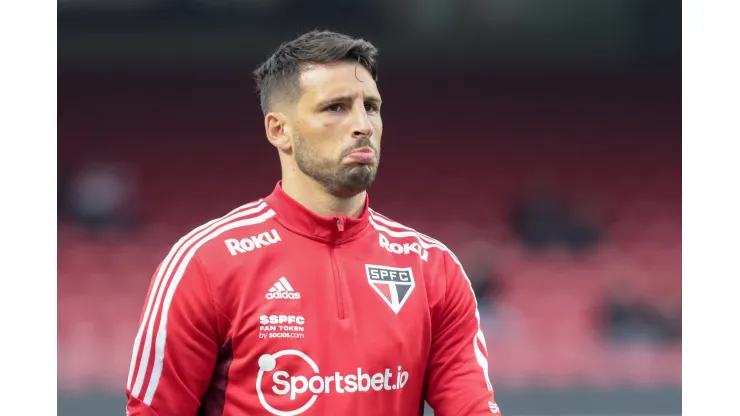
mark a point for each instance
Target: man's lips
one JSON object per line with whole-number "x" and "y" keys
{"x": 362, "y": 155}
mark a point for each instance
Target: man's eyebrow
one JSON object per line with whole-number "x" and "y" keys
{"x": 346, "y": 98}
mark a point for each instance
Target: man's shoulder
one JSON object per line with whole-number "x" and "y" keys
{"x": 398, "y": 237}
{"x": 238, "y": 231}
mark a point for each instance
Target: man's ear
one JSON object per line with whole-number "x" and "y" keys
{"x": 278, "y": 131}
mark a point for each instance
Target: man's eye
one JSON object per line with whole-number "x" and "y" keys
{"x": 371, "y": 107}
{"x": 334, "y": 107}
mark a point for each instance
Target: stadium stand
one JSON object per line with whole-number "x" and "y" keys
{"x": 197, "y": 146}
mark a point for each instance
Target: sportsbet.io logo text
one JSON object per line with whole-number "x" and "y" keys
{"x": 283, "y": 393}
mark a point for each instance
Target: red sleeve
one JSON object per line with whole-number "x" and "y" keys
{"x": 457, "y": 376}
{"x": 177, "y": 343}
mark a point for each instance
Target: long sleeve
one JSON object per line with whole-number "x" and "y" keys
{"x": 177, "y": 344}
{"x": 457, "y": 378}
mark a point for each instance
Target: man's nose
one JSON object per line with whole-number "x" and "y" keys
{"x": 362, "y": 128}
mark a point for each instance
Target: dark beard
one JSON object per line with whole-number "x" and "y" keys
{"x": 339, "y": 180}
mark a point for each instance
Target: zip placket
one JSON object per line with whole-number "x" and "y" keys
{"x": 335, "y": 267}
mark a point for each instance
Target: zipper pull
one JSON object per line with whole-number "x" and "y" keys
{"x": 340, "y": 225}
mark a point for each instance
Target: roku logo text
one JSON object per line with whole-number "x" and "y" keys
{"x": 250, "y": 243}
{"x": 404, "y": 248}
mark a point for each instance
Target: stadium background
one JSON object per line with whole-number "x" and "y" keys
{"x": 539, "y": 139}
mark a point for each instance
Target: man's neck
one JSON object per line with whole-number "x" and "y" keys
{"x": 315, "y": 197}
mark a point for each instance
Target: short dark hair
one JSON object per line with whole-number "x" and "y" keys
{"x": 279, "y": 74}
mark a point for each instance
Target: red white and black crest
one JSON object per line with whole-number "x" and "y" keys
{"x": 393, "y": 284}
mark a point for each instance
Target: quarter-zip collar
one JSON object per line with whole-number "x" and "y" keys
{"x": 297, "y": 218}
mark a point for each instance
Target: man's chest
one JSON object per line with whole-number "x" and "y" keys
{"x": 356, "y": 314}
{"x": 355, "y": 297}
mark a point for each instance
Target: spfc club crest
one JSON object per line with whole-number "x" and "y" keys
{"x": 393, "y": 284}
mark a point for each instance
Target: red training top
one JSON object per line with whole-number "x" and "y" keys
{"x": 272, "y": 309}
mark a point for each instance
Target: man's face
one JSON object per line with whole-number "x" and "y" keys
{"x": 338, "y": 127}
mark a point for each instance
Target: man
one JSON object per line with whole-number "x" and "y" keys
{"x": 307, "y": 301}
